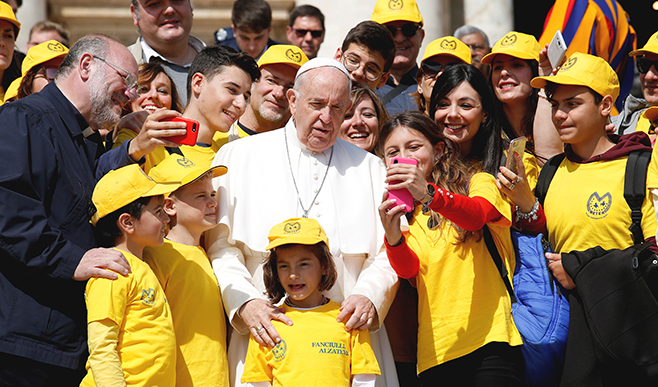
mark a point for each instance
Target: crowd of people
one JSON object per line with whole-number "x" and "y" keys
{"x": 183, "y": 214}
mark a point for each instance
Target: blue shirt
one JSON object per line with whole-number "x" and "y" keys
{"x": 403, "y": 101}
{"x": 46, "y": 183}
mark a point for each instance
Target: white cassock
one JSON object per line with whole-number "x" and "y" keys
{"x": 258, "y": 192}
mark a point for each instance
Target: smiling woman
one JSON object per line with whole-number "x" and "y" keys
{"x": 366, "y": 116}
{"x": 9, "y": 28}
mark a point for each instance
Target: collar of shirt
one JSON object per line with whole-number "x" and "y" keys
{"x": 246, "y": 130}
{"x": 53, "y": 94}
{"x": 407, "y": 79}
{"x": 148, "y": 52}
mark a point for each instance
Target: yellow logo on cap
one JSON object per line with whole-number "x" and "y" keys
{"x": 569, "y": 64}
{"x": 293, "y": 56}
{"x": 395, "y": 5}
{"x": 185, "y": 162}
{"x": 292, "y": 228}
{"x": 508, "y": 40}
{"x": 56, "y": 47}
{"x": 449, "y": 45}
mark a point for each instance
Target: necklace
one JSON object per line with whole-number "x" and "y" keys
{"x": 326, "y": 172}
{"x": 324, "y": 301}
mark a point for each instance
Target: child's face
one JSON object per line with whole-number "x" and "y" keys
{"x": 196, "y": 207}
{"x": 412, "y": 144}
{"x": 149, "y": 229}
{"x": 300, "y": 274}
{"x": 576, "y": 115}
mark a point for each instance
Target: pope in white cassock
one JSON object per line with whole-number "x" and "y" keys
{"x": 303, "y": 170}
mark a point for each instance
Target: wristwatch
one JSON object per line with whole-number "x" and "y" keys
{"x": 429, "y": 195}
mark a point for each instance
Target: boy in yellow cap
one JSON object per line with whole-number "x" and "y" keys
{"x": 405, "y": 22}
{"x": 585, "y": 205}
{"x": 130, "y": 331}
{"x": 268, "y": 106}
{"x": 316, "y": 350}
{"x": 632, "y": 116}
{"x": 440, "y": 53}
{"x": 183, "y": 269}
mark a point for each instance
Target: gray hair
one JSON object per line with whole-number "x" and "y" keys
{"x": 300, "y": 80}
{"x": 467, "y": 30}
{"x": 96, "y": 44}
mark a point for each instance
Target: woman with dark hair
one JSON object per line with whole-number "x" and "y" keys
{"x": 156, "y": 91}
{"x": 10, "y": 69}
{"x": 465, "y": 328}
{"x": 364, "y": 119}
{"x": 464, "y": 109}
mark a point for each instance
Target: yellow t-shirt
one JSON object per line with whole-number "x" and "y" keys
{"x": 585, "y": 207}
{"x": 643, "y": 123}
{"x": 222, "y": 138}
{"x": 146, "y": 342}
{"x": 652, "y": 173}
{"x": 197, "y": 311}
{"x": 462, "y": 301}
{"x": 314, "y": 351}
{"x": 152, "y": 159}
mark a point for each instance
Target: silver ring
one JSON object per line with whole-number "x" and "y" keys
{"x": 518, "y": 180}
{"x": 511, "y": 186}
{"x": 258, "y": 329}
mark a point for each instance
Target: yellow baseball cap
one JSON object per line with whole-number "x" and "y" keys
{"x": 42, "y": 53}
{"x": 178, "y": 168}
{"x": 651, "y": 113}
{"x": 584, "y": 70}
{"x": 387, "y": 11}
{"x": 516, "y": 44}
{"x": 123, "y": 186}
{"x": 650, "y": 48}
{"x": 7, "y": 14}
{"x": 450, "y": 46}
{"x": 284, "y": 54}
{"x": 303, "y": 231}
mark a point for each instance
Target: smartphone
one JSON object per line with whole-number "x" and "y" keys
{"x": 515, "y": 146}
{"x": 191, "y": 133}
{"x": 557, "y": 50}
{"x": 402, "y": 196}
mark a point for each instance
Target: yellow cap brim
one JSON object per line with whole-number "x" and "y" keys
{"x": 513, "y": 53}
{"x": 217, "y": 171}
{"x": 540, "y": 82}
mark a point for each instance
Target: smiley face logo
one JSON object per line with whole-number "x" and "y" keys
{"x": 148, "y": 297}
{"x": 185, "y": 163}
{"x": 448, "y": 45}
{"x": 395, "y": 5}
{"x": 293, "y": 56}
{"x": 279, "y": 351}
{"x": 292, "y": 228}
{"x": 598, "y": 206}
{"x": 56, "y": 47}
{"x": 508, "y": 40}
{"x": 569, "y": 64}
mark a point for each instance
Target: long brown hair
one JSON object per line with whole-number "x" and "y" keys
{"x": 450, "y": 172}
{"x": 146, "y": 75}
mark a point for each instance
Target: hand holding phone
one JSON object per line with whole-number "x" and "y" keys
{"x": 402, "y": 195}
{"x": 515, "y": 146}
{"x": 191, "y": 131}
{"x": 557, "y": 50}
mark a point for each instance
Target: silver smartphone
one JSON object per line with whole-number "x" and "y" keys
{"x": 557, "y": 50}
{"x": 515, "y": 146}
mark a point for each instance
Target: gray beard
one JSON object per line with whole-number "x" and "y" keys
{"x": 103, "y": 117}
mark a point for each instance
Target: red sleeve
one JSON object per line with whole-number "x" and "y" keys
{"x": 403, "y": 260}
{"x": 531, "y": 226}
{"x": 468, "y": 213}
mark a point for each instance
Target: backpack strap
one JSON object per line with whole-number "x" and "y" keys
{"x": 635, "y": 186}
{"x": 495, "y": 255}
{"x": 546, "y": 176}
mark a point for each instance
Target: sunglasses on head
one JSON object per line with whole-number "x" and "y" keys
{"x": 302, "y": 33}
{"x": 432, "y": 69}
{"x": 408, "y": 29}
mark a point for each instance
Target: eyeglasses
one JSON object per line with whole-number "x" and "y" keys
{"x": 644, "y": 65}
{"x": 302, "y": 33}
{"x": 432, "y": 70}
{"x": 353, "y": 62}
{"x": 48, "y": 72}
{"x": 408, "y": 29}
{"x": 130, "y": 80}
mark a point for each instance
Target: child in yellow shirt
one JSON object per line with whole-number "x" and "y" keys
{"x": 184, "y": 271}
{"x": 131, "y": 335}
{"x": 316, "y": 350}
